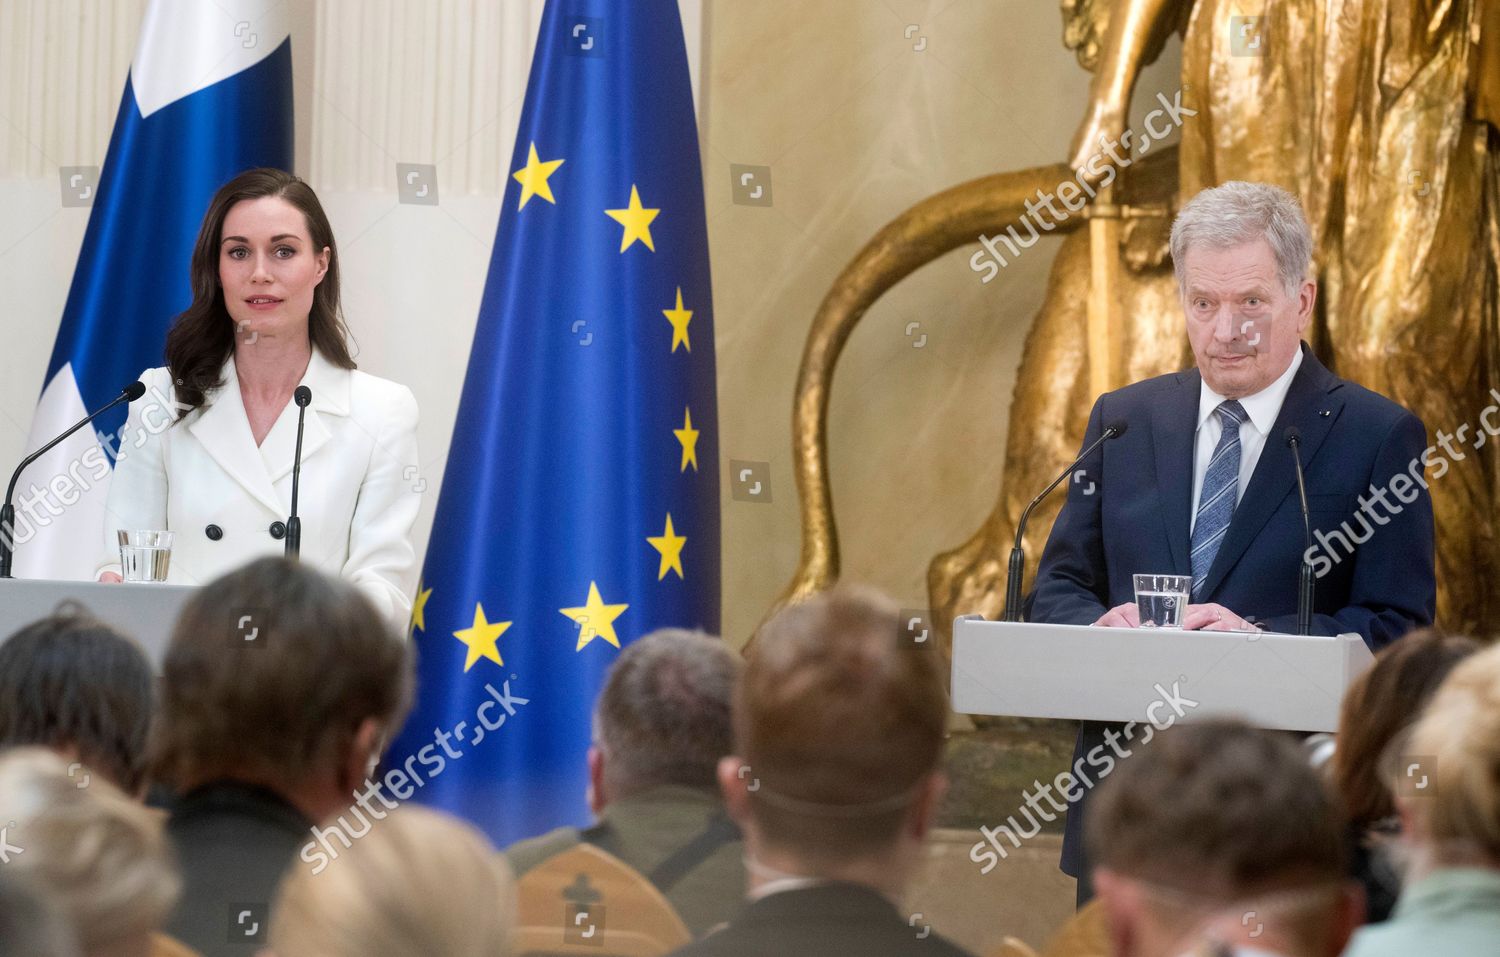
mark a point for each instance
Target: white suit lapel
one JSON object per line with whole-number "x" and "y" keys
{"x": 223, "y": 429}
{"x": 330, "y": 396}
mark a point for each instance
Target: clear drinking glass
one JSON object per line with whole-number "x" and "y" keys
{"x": 1162, "y": 599}
{"x": 144, "y": 555}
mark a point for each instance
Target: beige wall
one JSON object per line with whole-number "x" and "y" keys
{"x": 857, "y": 124}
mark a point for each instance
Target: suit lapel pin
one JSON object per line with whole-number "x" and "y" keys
{"x": 1325, "y": 413}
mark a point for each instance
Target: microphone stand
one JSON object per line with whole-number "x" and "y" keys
{"x": 303, "y": 397}
{"x": 8, "y": 511}
{"x": 1017, "y": 567}
{"x": 1305, "y": 575}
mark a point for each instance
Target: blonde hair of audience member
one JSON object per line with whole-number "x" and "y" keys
{"x": 420, "y": 882}
{"x": 838, "y": 728}
{"x": 1456, "y": 742}
{"x": 30, "y": 925}
{"x": 1218, "y": 836}
{"x": 96, "y": 855}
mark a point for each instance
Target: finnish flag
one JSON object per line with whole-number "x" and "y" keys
{"x": 208, "y": 96}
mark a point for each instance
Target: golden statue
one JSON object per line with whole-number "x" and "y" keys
{"x": 1382, "y": 116}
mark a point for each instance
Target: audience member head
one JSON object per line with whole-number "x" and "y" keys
{"x": 280, "y": 676}
{"x": 1447, "y": 771}
{"x": 420, "y": 882}
{"x": 30, "y": 925}
{"x": 73, "y": 684}
{"x": 1379, "y": 705}
{"x": 1214, "y": 821}
{"x": 838, "y": 728}
{"x": 94, "y": 854}
{"x": 663, "y": 716}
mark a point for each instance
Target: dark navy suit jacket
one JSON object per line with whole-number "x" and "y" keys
{"x": 1130, "y": 511}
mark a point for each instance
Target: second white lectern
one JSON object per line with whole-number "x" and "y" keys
{"x": 145, "y": 612}
{"x": 1020, "y": 669}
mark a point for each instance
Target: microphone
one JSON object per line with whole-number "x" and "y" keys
{"x": 1305, "y": 581}
{"x": 8, "y": 512}
{"x": 1018, "y": 554}
{"x": 303, "y": 398}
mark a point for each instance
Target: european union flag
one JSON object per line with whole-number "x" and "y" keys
{"x": 579, "y": 509}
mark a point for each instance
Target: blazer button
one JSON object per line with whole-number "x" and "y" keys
{"x": 214, "y": 533}
{"x": 278, "y": 530}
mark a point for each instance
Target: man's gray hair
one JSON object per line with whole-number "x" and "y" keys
{"x": 664, "y": 714}
{"x": 1239, "y": 212}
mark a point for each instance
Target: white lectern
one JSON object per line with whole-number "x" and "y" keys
{"x": 1018, "y": 669}
{"x": 145, "y": 612}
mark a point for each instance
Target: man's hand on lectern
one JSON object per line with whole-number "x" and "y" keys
{"x": 1127, "y": 615}
{"x": 110, "y": 577}
{"x": 1212, "y": 617}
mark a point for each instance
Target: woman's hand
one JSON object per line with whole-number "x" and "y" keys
{"x": 110, "y": 577}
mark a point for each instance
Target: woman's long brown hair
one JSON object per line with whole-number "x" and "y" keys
{"x": 202, "y": 336}
{"x": 1387, "y": 698}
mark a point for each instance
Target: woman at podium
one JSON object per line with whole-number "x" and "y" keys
{"x": 208, "y": 452}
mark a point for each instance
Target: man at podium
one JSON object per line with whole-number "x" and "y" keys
{"x": 1203, "y": 483}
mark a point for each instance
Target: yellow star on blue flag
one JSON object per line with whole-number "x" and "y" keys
{"x": 637, "y": 221}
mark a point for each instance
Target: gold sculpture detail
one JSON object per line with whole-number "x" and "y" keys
{"x": 1382, "y": 116}
{"x": 919, "y": 235}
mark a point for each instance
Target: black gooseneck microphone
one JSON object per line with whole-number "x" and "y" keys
{"x": 303, "y": 398}
{"x": 1305, "y": 581}
{"x": 8, "y": 512}
{"x": 1017, "y": 569}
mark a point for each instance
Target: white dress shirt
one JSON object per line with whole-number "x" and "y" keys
{"x": 1261, "y": 410}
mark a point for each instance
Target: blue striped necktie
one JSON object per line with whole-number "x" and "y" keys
{"x": 1220, "y": 492}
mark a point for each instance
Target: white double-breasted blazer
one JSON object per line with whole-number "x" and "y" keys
{"x": 227, "y": 500}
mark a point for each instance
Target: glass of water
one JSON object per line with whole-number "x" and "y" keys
{"x": 1162, "y": 599}
{"x": 144, "y": 555}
